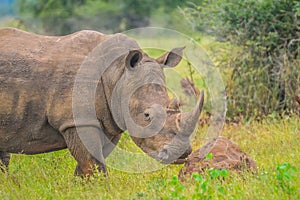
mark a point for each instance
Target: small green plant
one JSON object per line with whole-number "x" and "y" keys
{"x": 218, "y": 173}
{"x": 207, "y": 186}
{"x": 202, "y": 188}
{"x": 177, "y": 189}
{"x": 211, "y": 186}
{"x": 285, "y": 176}
{"x": 209, "y": 156}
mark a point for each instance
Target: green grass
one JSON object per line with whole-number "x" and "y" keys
{"x": 271, "y": 143}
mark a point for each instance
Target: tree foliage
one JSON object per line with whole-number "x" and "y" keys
{"x": 266, "y": 71}
{"x": 53, "y": 15}
{"x": 66, "y": 16}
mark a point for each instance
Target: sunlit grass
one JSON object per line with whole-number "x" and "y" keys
{"x": 270, "y": 143}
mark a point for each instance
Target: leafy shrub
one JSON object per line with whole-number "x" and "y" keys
{"x": 265, "y": 34}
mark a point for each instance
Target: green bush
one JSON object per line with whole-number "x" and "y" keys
{"x": 266, "y": 66}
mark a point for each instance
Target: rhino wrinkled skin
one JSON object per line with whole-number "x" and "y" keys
{"x": 37, "y": 75}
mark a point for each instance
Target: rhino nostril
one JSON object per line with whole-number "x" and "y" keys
{"x": 163, "y": 155}
{"x": 147, "y": 116}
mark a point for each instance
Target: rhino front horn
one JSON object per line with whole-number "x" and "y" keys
{"x": 189, "y": 119}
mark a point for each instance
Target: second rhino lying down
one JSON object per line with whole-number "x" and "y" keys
{"x": 37, "y": 78}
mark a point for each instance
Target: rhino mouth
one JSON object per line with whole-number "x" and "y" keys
{"x": 170, "y": 155}
{"x": 179, "y": 161}
{"x": 183, "y": 159}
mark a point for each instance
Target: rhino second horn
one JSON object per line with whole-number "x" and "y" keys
{"x": 174, "y": 104}
{"x": 190, "y": 119}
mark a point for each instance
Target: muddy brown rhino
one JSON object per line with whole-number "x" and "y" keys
{"x": 37, "y": 78}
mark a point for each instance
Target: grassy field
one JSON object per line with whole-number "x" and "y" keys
{"x": 271, "y": 143}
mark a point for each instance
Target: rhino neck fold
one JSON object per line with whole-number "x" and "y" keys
{"x": 108, "y": 122}
{"x": 115, "y": 104}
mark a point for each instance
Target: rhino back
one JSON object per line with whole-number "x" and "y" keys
{"x": 36, "y": 78}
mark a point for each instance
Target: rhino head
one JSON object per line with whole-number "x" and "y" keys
{"x": 143, "y": 107}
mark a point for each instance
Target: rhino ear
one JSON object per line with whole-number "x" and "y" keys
{"x": 171, "y": 58}
{"x": 133, "y": 58}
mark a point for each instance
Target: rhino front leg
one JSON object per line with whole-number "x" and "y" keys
{"x": 4, "y": 161}
{"x": 110, "y": 145}
{"x": 86, "y": 163}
